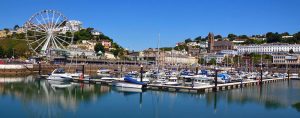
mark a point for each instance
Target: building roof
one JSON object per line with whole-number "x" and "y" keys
{"x": 222, "y": 43}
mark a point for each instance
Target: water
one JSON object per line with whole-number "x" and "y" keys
{"x": 29, "y": 97}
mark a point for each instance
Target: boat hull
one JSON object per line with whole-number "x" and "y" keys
{"x": 127, "y": 85}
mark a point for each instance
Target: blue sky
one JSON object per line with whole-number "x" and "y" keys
{"x": 135, "y": 24}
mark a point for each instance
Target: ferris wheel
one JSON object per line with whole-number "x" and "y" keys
{"x": 48, "y": 30}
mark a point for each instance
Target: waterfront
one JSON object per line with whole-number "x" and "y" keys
{"x": 30, "y": 97}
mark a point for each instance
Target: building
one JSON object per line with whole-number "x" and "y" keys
{"x": 239, "y": 40}
{"x": 286, "y": 58}
{"x": 106, "y": 44}
{"x": 172, "y": 57}
{"x": 193, "y": 43}
{"x": 268, "y": 48}
{"x": 72, "y": 25}
{"x": 96, "y": 33}
{"x": 194, "y": 51}
{"x": 288, "y": 36}
{"x": 175, "y": 57}
{"x": 218, "y": 57}
{"x": 216, "y": 46}
{"x": 229, "y": 52}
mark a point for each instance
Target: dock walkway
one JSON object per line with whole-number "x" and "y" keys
{"x": 199, "y": 89}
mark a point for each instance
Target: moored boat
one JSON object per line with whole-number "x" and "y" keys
{"x": 59, "y": 74}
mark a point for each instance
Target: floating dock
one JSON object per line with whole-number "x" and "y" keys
{"x": 200, "y": 89}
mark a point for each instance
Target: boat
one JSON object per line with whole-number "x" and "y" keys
{"x": 129, "y": 83}
{"x": 173, "y": 80}
{"x": 59, "y": 74}
{"x": 78, "y": 75}
{"x": 103, "y": 72}
{"x": 294, "y": 76}
{"x": 199, "y": 82}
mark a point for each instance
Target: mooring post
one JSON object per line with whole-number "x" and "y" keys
{"x": 288, "y": 72}
{"x": 83, "y": 71}
{"x": 141, "y": 73}
{"x": 216, "y": 80}
{"x": 39, "y": 68}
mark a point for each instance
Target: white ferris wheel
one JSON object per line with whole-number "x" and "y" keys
{"x": 48, "y": 30}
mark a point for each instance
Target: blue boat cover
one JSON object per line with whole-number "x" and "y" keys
{"x": 224, "y": 76}
{"x": 133, "y": 81}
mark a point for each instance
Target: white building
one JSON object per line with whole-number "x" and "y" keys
{"x": 268, "y": 48}
{"x": 218, "y": 57}
{"x": 194, "y": 43}
{"x": 229, "y": 52}
{"x": 177, "y": 57}
{"x": 72, "y": 25}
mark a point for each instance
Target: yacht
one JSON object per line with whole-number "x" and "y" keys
{"x": 173, "y": 80}
{"x": 78, "y": 75}
{"x": 294, "y": 76}
{"x": 103, "y": 72}
{"x": 199, "y": 82}
{"x": 59, "y": 74}
{"x": 128, "y": 83}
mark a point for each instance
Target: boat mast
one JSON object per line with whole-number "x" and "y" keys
{"x": 157, "y": 56}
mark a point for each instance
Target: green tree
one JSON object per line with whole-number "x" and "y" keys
{"x": 231, "y": 37}
{"x": 213, "y": 61}
{"x": 181, "y": 47}
{"x": 99, "y": 47}
{"x": 16, "y": 27}
{"x": 273, "y": 37}
{"x": 6, "y": 30}
{"x": 218, "y": 37}
{"x": 291, "y": 51}
{"x": 201, "y": 61}
{"x": 198, "y": 39}
{"x": 285, "y": 34}
{"x": 188, "y": 40}
{"x": 243, "y": 37}
{"x": 1, "y": 52}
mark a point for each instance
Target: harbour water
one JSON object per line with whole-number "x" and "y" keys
{"x": 30, "y": 97}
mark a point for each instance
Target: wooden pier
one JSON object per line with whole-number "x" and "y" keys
{"x": 201, "y": 89}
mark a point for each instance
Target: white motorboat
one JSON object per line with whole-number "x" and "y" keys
{"x": 79, "y": 76}
{"x": 252, "y": 76}
{"x": 103, "y": 72}
{"x": 172, "y": 81}
{"x": 124, "y": 84}
{"x": 198, "y": 81}
{"x": 60, "y": 75}
{"x": 294, "y": 76}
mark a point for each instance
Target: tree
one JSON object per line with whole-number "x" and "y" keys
{"x": 188, "y": 40}
{"x": 6, "y": 30}
{"x": 243, "y": 37}
{"x": 201, "y": 61}
{"x": 99, "y": 47}
{"x": 231, "y": 37}
{"x": 291, "y": 51}
{"x": 181, "y": 47}
{"x": 213, "y": 61}
{"x": 1, "y": 52}
{"x": 273, "y": 37}
{"x": 285, "y": 34}
{"x": 16, "y": 27}
{"x": 198, "y": 39}
{"x": 218, "y": 37}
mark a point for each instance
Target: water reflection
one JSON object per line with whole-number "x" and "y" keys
{"x": 46, "y": 98}
{"x": 41, "y": 98}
